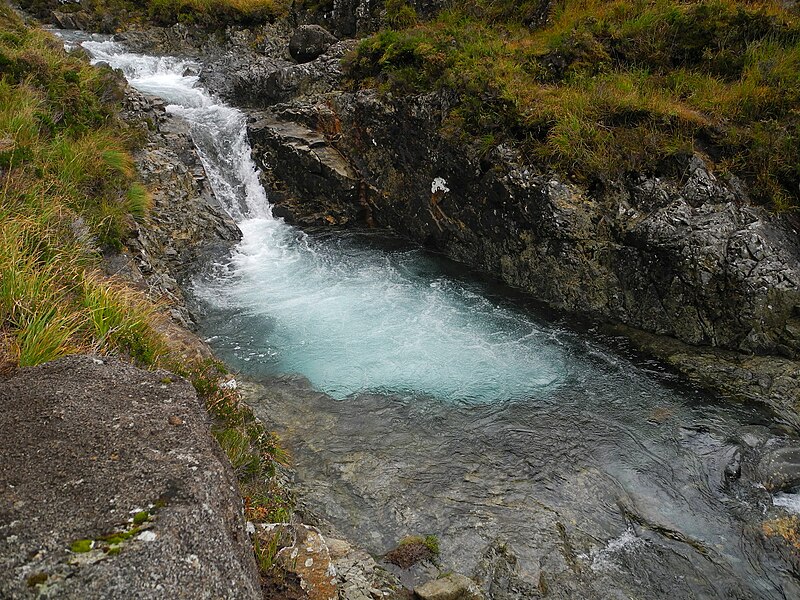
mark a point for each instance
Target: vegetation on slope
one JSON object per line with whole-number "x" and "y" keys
{"x": 68, "y": 193}
{"x": 601, "y": 88}
{"x": 210, "y": 13}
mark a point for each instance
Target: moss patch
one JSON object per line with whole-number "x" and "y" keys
{"x": 81, "y": 546}
{"x": 412, "y": 550}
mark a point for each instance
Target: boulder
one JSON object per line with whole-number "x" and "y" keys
{"x": 779, "y": 469}
{"x": 310, "y": 41}
{"x": 112, "y": 487}
{"x": 63, "y": 20}
{"x": 449, "y": 587}
{"x": 304, "y": 553}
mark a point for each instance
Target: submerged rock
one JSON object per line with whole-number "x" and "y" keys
{"x": 779, "y": 469}
{"x": 103, "y": 496}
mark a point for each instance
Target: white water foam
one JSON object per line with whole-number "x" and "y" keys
{"x": 608, "y": 557}
{"x": 789, "y": 501}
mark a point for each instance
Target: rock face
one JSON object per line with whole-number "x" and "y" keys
{"x": 185, "y": 220}
{"x": 329, "y": 189}
{"x": 350, "y": 18}
{"x": 264, "y": 81}
{"x": 310, "y": 41}
{"x": 86, "y": 449}
{"x": 682, "y": 257}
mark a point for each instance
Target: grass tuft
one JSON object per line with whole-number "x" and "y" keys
{"x": 68, "y": 190}
{"x": 598, "y": 89}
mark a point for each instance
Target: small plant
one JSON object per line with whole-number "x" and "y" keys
{"x": 266, "y": 546}
{"x": 432, "y": 543}
{"x": 81, "y": 546}
{"x": 399, "y": 14}
{"x": 414, "y": 549}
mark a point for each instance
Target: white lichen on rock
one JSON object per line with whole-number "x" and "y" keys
{"x": 439, "y": 185}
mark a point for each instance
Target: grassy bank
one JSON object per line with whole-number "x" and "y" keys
{"x": 597, "y": 89}
{"x": 111, "y": 14}
{"x": 69, "y": 194}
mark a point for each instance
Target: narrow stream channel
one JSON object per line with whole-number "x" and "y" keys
{"x": 416, "y": 399}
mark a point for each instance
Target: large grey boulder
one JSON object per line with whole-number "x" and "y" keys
{"x": 310, "y": 41}
{"x": 89, "y": 444}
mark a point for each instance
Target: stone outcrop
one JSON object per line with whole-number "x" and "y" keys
{"x": 113, "y": 487}
{"x": 185, "y": 221}
{"x": 264, "y": 81}
{"x": 310, "y": 41}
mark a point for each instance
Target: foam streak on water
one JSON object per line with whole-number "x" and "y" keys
{"x": 349, "y": 319}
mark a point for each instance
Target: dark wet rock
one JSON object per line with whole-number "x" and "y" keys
{"x": 345, "y": 18}
{"x": 779, "y": 469}
{"x": 86, "y": 445}
{"x": 310, "y": 41}
{"x": 772, "y": 380}
{"x": 449, "y": 587}
{"x": 64, "y": 20}
{"x": 498, "y": 574}
{"x": 328, "y": 189}
{"x": 680, "y": 257}
{"x": 267, "y": 81}
{"x": 185, "y": 222}
{"x": 350, "y": 18}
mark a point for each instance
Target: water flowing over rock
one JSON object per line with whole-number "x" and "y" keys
{"x": 684, "y": 257}
{"x": 113, "y": 487}
{"x": 185, "y": 221}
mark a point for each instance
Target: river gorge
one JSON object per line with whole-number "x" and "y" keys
{"x": 419, "y": 397}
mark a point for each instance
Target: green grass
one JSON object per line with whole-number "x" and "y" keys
{"x": 604, "y": 88}
{"x": 253, "y": 451}
{"x": 208, "y": 13}
{"x": 67, "y": 193}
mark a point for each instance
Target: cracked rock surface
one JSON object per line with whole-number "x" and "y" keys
{"x": 86, "y": 445}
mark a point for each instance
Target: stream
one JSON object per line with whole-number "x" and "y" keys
{"x": 418, "y": 398}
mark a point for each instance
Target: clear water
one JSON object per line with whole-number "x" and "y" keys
{"x": 465, "y": 416}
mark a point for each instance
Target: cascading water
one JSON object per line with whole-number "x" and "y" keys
{"x": 347, "y": 318}
{"x": 462, "y": 415}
